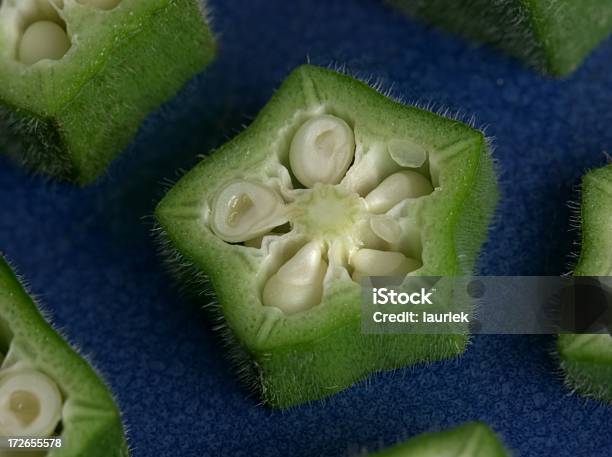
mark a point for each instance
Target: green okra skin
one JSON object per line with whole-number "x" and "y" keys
{"x": 86, "y": 417}
{"x": 554, "y": 36}
{"x": 70, "y": 114}
{"x": 474, "y": 439}
{"x": 333, "y": 181}
{"x": 587, "y": 359}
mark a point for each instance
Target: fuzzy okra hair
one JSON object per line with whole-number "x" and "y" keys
{"x": 587, "y": 359}
{"x": 46, "y": 389}
{"x": 332, "y": 182}
{"x": 77, "y": 77}
{"x": 473, "y": 439}
{"x": 554, "y": 36}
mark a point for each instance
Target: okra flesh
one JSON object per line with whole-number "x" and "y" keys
{"x": 552, "y": 36}
{"x": 46, "y": 389}
{"x": 78, "y": 77}
{"x": 473, "y": 439}
{"x": 587, "y": 359}
{"x": 331, "y": 183}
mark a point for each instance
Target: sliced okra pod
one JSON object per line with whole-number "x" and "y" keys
{"x": 552, "y": 36}
{"x": 77, "y": 77}
{"x": 587, "y": 359}
{"x": 331, "y": 183}
{"x": 47, "y": 390}
{"x": 474, "y": 439}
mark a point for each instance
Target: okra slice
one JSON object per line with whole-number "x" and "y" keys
{"x": 474, "y": 439}
{"x": 331, "y": 183}
{"x": 552, "y": 36}
{"x": 587, "y": 359}
{"x": 46, "y": 389}
{"x": 77, "y": 77}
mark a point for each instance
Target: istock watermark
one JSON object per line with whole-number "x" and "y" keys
{"x": 383, "y": 296}
{"x": 487, "y": 304}
{"x": 386, "y": 296}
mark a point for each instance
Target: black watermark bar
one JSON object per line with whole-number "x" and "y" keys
{"x": 487, "y": 304}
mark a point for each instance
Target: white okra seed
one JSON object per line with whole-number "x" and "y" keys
{"x": 244, "y": 210}
{"x": 101, "y": 4}
{"x": 371, "y": 262}
{"x": 298, "y": 284}
{"x": 322, "y": 150}
{"x": 367, "y": 238}
{"x": 386, "y": 228}
{"x": 407, "y": 153}
{"x": 30, "y": 404}
{"x": 43, "y": 40}
{"x": 395, "y": 188}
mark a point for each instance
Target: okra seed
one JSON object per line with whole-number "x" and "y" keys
{"x": 25, "y": 406}
{"x": 386, "y": 228}
{"x": 101, "y": 4}
{"x": 407, "y": 153}
{"x": 43, "y": 40}
{"x": 30, "y": 404}
{"x": 238, "y": 205}
{"x": 244, "y": 210}
{"x": 395, "y": 188}
{"x": 371, "y": 262}
{"x": 298, "y": 284}
{"x": 322, "y": 150}
{"x": 367, "y": 238}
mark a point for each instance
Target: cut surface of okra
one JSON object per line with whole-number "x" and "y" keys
{"x": 473, "y": 439}
{"x": 331, "y": 183}
{"x": 47, "y": 390}
{"x": 587, "y": 359}
{"x": 77, "y": 77}
{"x": 554, "y": 36}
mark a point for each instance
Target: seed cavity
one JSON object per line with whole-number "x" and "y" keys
{"x": 43, "y": 40}
{"x": 372, "y": 262}
{"x": 395, "y": 188}
{"x": 244, "y": 210}
{"x": 30, "y": 404}
{"x": 34, "y": 30}
{"x": 254, "y": 242}
{"x": 322, "y": 150}
{"x": 298, "y": 284}
{"x": 101, "y": 4}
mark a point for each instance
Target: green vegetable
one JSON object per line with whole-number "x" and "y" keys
{"x": 78, "y": 77}
{"x": 587, "y": 359}
{"x": 474, "y": 439}
{"x": 46, "y": 388}
{"x": 332, "y": 182}
{"x": 554, "y": 36}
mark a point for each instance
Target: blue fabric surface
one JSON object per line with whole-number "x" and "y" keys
{"x": 88, "y": 254}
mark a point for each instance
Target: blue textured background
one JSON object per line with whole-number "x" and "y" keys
{"x": 88, "y": 254}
